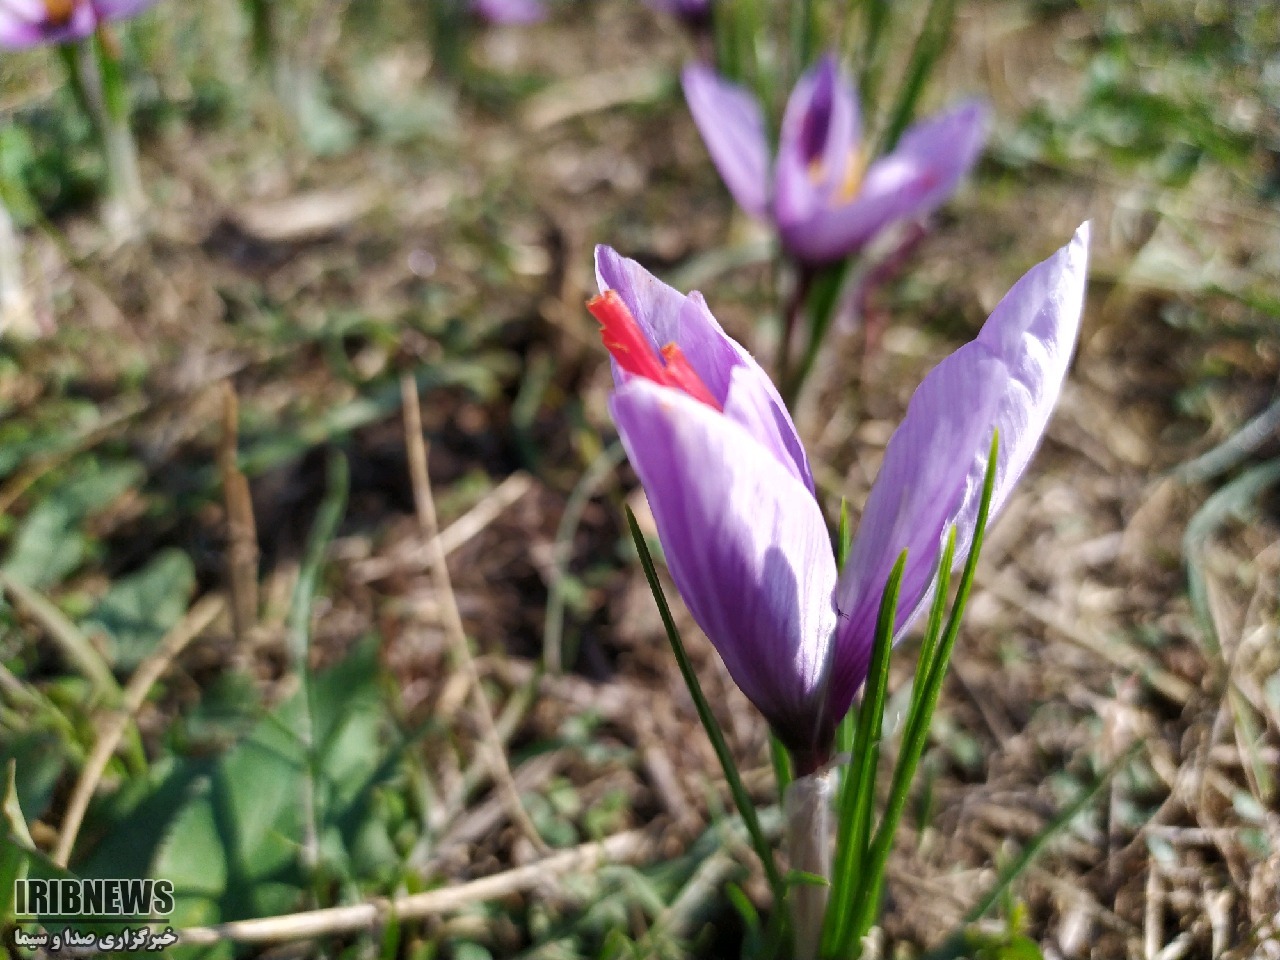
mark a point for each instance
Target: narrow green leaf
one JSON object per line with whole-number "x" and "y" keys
{"x": 741, "y": 798}
{"x": 844, "y": 535}
{"x": 959, "y": 944}
{"x": 928, "y": 49}
{"x": 845, "y": 732}
{"x": 15, "y": 823}
{"x": 871, "y": 879}
{"x": 781, "y": 759}
{"x": 1014, "y": 869}
{"x": 857, "y": 790}
{"x": 932, "y": 633}
{"x": 323, "y": 529}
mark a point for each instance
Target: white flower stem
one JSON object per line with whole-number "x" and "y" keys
{"x": 808, "y": 807}
{"x": 128, "y": 200}
{"x": 17, "y": 314}
{"x": 97, "y": 75}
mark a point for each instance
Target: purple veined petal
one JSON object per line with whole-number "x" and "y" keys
{"x": 927, "y": 167}
{"x": 120, "y": 9}
{"x": 732, "y": 126}
{"x": 922, "y": 484}
{"x": 818, "y": 144}
{"x": 27, "y": 23}
{"x": 750, "y": 395}
{"x": 1032, "y": 332}
{"x": 1008, "y": 379}
{"x": 746, "y": 545}
{"x": 19, "y": 23}
{"x": 510, "y": 11}
{"x": 761, "y": 413}
{"x": 668, "y": 316}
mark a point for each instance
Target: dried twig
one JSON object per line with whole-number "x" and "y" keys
{"x": 187, "y": 629}
{"x": 424, "y": 502}
{"x": 242, "y": 531}
{"x": 74, "y": 645}
{"x": 630, "y": 847}
{"x": 467, "y": 526}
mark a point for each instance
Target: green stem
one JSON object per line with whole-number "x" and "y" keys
{"x": 790, "y": 320}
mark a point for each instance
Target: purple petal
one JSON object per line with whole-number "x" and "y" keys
{"x": 820, "y": 137}
{"x": 1032, "y": 332}
{"x": 1008, "y": 379}
{"x": 926, "y": 168}
{"x": 746, "y": 545}
{"x": 668, "y": 316}
{"x": 694, "y": 11}
{"x": 920, "y": 487}
{"x": 26, "y": 23}
{"x": 732, "y": 127}
{"x": 120, "y": 9}
{"x": 510, "y": 11}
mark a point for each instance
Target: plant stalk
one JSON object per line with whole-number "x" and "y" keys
{"x": 17, "y": 313}
{"x": 807, "y": 807}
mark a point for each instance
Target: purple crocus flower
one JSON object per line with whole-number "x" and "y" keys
{"x": 733, "y": 498}
{"x": 827, "y": 198}
{"x": 510, "y": 11}
{"x": 27, "y": 23}
{"x": 693, "y": 12}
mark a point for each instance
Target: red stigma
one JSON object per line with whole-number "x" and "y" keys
{"x": 628, "y": 345}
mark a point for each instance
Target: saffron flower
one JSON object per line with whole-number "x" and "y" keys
{"x": 696, "y": 13}
{"x": 826, "y": 197}
{"x": 509, "y": 11}
{"x": 28, "y": 23}
{"x": 733, "y": 498}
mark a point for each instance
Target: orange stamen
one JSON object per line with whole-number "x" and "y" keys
{"x": 628, "y": 345}
{"x": 58, "y": 12}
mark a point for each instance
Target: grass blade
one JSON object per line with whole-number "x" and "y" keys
{"x": 955, "y": 945}
{"x": 323, "y": 529}
{"x": 857, "y": 791}
{"x": 740, "y": 797}
{"x": 917, "y": 729}
{"x": 929, "y": 47}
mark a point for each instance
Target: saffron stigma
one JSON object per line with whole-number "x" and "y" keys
{"x": 629, "y": 346}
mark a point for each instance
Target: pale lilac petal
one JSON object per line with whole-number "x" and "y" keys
{"x": 120, "y": 9}
{"x": 1008, "y": 379}
{"x": 17, "y": 33}
{"x": 927, "y": 167}
{"x": 510, "y": 11}
{"x": 668, "y": 316}
{"x": 732, "y": 126}
{"x": 747, "y": 547}
{"x": 820, "y": 138}
{"x": 1032, "y": 332}
{"x": 759, "y": 412}
{"x": 921, "y": 485}
{"x": 26, "y": 23}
